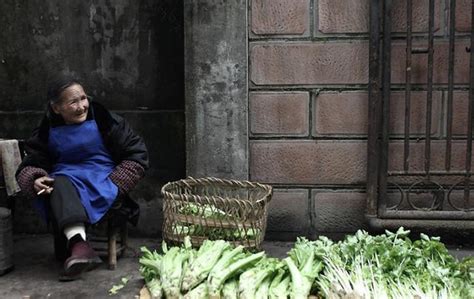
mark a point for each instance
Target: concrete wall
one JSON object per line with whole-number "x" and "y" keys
{"x": 131, "y": 56}
{"x": 308, "y": 75}
{"x": 216, "y": 88}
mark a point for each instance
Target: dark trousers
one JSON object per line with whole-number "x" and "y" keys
{"x": 65, "y": 204}
{"x": 65, "y": 208}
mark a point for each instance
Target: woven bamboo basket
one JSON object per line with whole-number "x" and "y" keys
{"x": 212, "y": 208}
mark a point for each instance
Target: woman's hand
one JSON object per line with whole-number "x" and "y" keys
{"x": 44, "y": 185}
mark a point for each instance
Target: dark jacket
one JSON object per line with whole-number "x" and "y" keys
{"x": 127, "y": 150}
{"x": 119, "y": 139}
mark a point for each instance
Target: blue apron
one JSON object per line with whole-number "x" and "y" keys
{"x": 79, "y": 154}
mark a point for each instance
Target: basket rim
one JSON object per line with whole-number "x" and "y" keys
{"x": 190, "y": 181}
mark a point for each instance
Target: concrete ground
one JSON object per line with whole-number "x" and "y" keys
{"x": 36, "y": 271}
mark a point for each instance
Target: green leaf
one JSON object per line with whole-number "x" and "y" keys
{"x": 114, "y": 290}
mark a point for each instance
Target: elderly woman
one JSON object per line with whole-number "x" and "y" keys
{"x": 81, "y": 160}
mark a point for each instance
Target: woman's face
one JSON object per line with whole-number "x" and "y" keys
{"x": 72, "y": 105}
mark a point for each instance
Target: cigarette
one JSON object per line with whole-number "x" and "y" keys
{"x": 41, "y": 191}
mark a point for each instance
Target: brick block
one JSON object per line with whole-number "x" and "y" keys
{"x": 308, "y": 162}
{"x": 288, "y": 211}
{"x": 280, "y": 17}
{"x": 347, "y": 113}
{"x": 338, "y": 211}
{"x": 463, "y": 15}
{"x": 309, "y": 63}
{"x": 440, "y": 64}
{"x": 342, "y": 16}
{"x": 279, "y": 113}
{"x": 460, "y": 112}
{"x": 339, "y": 162}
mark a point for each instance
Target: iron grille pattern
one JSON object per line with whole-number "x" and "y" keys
{"x": 429, "y": 184}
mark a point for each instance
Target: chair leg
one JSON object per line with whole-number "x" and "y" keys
{"x": 112, "y": 248}
{"x": 123, "y": 239}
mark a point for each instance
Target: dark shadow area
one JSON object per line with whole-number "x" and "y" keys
{"x": 130, "y": 54}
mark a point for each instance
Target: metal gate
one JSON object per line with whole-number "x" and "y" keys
{"x": 420, "y": 118}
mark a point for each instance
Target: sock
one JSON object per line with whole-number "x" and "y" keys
{"x": 75, "y": 239}
{"x": 75, "y": 229}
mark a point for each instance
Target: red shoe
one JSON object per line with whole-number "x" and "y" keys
{"x": 82, "y": 258}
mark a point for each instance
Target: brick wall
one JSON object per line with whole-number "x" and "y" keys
{"x": 308, "y": 75}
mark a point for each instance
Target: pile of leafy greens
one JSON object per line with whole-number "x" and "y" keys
{"x": 389, "y": 265}
{"x": 211, "y": 212}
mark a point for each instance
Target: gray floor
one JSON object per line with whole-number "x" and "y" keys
{"x": 36, "y": 271}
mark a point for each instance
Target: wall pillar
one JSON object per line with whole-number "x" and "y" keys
{"x": 216, "y": 88}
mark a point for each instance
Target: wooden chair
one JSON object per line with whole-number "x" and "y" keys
{"x": 109, "y": 237}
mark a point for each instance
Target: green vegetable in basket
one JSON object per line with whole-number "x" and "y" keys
{"x": 183, "y": 229}
{"x": 216, "y": 233}
{"x": 203, "y": 210}
{"x": 231, "y": 262}
{"x": 251, "y": 233}
{"x": 206, "y": 257}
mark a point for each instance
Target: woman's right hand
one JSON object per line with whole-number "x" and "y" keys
{"x": 44, "y": 183}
